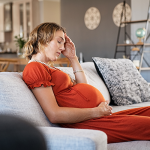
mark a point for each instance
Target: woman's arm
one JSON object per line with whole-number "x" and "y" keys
{"x": 56, "y": 114}
{"x": 70, "y": 53}
{"x": 78, "y": 71}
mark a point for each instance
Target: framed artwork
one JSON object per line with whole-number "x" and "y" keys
{"x": 117, "y": 14}
{"x": 92, "y": 18}
{"x": 8, "y": 17}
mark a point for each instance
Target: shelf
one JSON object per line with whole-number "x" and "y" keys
{"x": 146, "y": 44}
{"x": 143, "y": 68}
{"x": 148, "y": 68}
{"x": 138, "y": 47}
{"x": 138, "y": 21}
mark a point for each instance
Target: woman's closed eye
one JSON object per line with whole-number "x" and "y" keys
{"x": 59, "y": 42}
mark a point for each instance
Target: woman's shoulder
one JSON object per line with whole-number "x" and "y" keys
{"x": 35, "y": 69}
{"x": 36, "y": 74}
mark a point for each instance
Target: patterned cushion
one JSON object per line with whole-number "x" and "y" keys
{"x": 124, "y": 82}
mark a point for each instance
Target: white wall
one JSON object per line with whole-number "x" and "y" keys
{"x": 139, "y": 12}
{"x": 50, "y": 11}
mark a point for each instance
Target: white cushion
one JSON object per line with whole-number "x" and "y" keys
{"x": 92, "y": 77}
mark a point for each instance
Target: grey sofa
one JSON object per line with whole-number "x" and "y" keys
{"x": 16, "y": 99}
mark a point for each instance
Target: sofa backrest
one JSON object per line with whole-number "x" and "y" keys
{"x": 16, "y": 99}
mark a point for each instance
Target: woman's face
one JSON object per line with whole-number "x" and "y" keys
{"x": 55, "y": 47}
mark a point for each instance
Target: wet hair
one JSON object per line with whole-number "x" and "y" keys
{"x": 39, "y": 37}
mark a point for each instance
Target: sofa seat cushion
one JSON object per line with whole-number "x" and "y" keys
{"x": 120, "y": 108}
{"x": 16, "y": 99}
{"x": 123, "y": 80}
{"x": 133, "y": 145}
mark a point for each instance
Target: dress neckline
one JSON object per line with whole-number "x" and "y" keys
{"x": 34, "y": 60}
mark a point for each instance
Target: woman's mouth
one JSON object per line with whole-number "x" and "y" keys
{"x": 58, "y": 53}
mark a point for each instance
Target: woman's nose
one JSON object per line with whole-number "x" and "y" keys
{"x": 62, "y": 47}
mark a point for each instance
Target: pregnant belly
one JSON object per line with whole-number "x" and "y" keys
{"x": 80, "y": 96}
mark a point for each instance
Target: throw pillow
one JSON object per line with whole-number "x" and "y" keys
{"x": 123, "y": 80}
{"x": 92, "y": 77}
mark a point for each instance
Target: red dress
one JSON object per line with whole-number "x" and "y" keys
{"x": 121, "y": 126}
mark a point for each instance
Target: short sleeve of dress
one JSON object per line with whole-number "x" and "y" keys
{"x": 36, "y": 74}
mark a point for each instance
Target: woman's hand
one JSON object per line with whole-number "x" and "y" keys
{"x": 104, "y": 109}
{"x": 70, "y": 51}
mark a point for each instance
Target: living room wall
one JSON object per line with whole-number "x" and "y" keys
{"x": 49, "y": 11}
{"x": 100, "y": 42}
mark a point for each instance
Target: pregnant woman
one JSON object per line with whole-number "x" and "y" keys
{"x": 75, "y": 104}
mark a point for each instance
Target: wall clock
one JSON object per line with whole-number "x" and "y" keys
{"x": 92, "y": 18}
{"x": 117, "y": 14}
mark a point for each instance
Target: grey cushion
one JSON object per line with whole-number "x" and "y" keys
{"x": 18, "y": 100}
{"x": 123, "y": 80}
{"x": 131, "y": 145}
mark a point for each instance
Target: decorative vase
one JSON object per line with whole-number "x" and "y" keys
{"x": 20, "y": 52}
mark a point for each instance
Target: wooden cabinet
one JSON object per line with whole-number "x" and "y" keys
{"x": 5, "y": 21}
{"x": 23, "y": 20}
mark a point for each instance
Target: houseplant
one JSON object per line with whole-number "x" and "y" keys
{"x": 20, "y": 42}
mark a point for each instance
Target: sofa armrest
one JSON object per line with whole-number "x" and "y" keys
{"x": 74, "y": 139}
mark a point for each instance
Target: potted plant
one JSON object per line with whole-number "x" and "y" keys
{"x": 20, "y": 42}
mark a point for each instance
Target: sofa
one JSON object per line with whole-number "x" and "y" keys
{"x": 16, "y": 99}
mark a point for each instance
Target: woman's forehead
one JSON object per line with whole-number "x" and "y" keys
{"x": 60, "y": 34}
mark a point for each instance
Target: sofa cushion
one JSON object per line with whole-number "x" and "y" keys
{"x": 125, "y": 107}
{"x": 16, "y": 99}
{"x": 123, "y": 80}
{"x": 131, "y": 145}
{"x": 92, "y": 77}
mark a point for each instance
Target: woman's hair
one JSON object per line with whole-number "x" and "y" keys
{"x": 39, "y": 37}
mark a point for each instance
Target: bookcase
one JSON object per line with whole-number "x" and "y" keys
{"x": 140, "y": 49}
